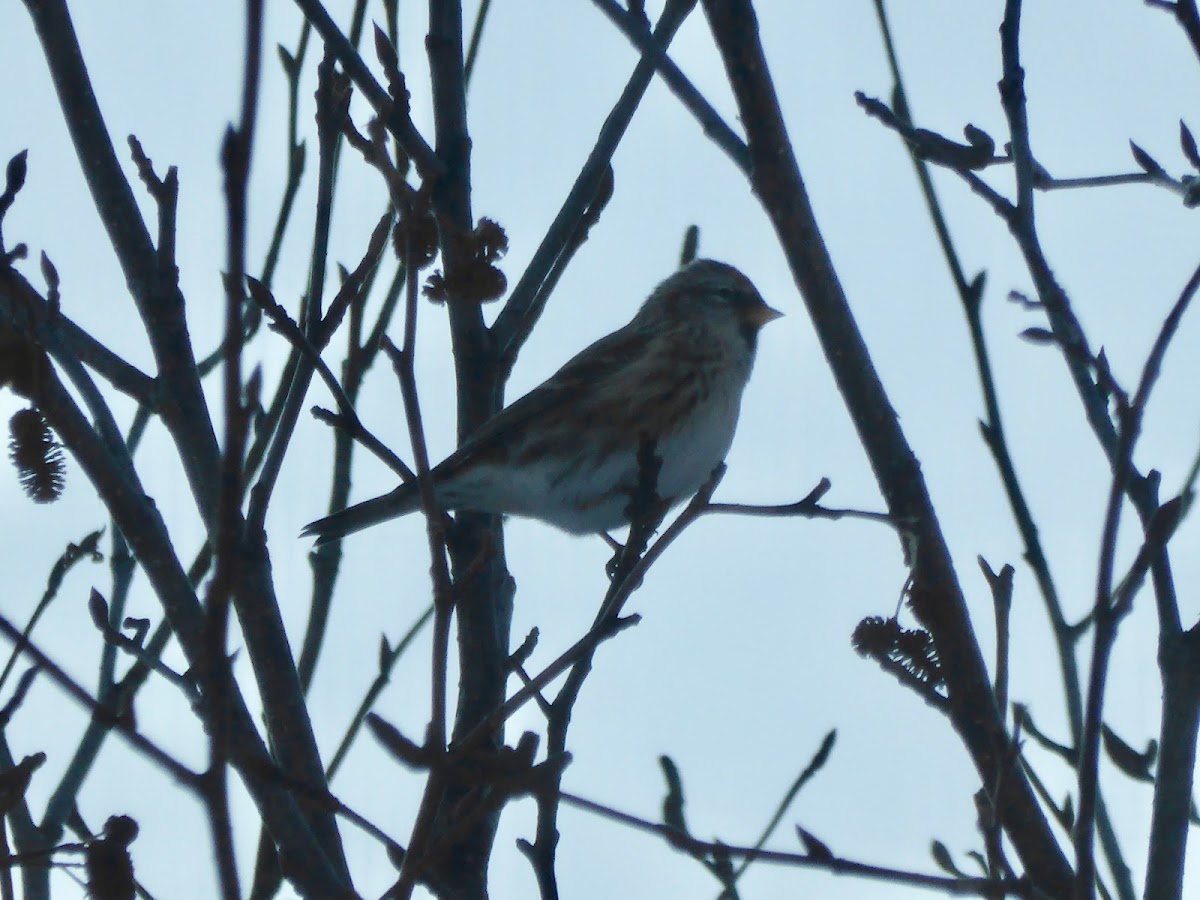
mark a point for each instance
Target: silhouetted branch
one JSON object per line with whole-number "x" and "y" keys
{"x": 394, "y": 117}
{"x": 582, "y": 204}
{"x": 807, "y": 507}
{"x": 158, "y": 300}
{"x": 443, "y": 589}
{"x": 710, "y": 120}
{"x": 971, "y": 887}
{"x": 388, "y": 657}
{"x": 292, "y": 66}
{"x": 144, "y": 745}
{"x": 476, "y": 38}
{"x": 936, "y": 596}
{"x": 818, "y": 761}
{"x": 1186, "y": 14}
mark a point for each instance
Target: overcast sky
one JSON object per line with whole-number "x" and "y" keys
{"x": 742, "y": 661}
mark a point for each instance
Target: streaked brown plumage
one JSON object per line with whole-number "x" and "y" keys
{"x": 566, "y": 452}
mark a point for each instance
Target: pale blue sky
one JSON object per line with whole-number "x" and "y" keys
{"x": 742, "y": 661}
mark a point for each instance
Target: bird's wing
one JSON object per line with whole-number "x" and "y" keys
{"x": 600, "y": 368}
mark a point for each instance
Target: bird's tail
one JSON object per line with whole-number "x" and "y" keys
{"x": 354, "y": 518}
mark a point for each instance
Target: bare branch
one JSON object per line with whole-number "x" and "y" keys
{"x": 395, "y": 118}
{"x": 578, "y": 212}
{"x": 971, "y": 887}
{"x": 936, "y": 596}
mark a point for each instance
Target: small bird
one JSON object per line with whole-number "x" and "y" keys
{"x": 567, "y": 452}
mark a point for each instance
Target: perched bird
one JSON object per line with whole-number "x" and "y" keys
{"x": 567, "y": 452}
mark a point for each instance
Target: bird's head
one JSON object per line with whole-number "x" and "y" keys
{"x": 707, "y": 288}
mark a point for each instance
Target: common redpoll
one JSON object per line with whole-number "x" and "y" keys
{"x": 567, "y": 452}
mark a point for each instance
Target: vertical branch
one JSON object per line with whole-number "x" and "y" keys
{"x": 7, "y": 889}
{"x": 443, "y": 591}
{"x": 452, "y": 201}
{"x": 333, "y": 99}
{"x": 292, "y": 65}
{"x": 1067, "y": 329}
{"x": 1175, "y": 647}
{"x": 645, "y": 513}
{"x": 1179, "y": 666}
{"x": 214, "y": 674}
{"x": 995, "y": 437}
{"x": 936, "y": 597}
{"x": 284, "y": 687}
{"x": 1105, "y": 619}
{"x": 483, "y": 603}
{"x": 1179, "y": 663}
{"x": 325, "y": 561}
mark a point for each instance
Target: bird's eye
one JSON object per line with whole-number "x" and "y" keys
{"x": 742, "y": 301}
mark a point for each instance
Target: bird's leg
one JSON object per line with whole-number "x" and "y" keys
{"x": 645, "y": 511}
{"x": 610, "y": 567}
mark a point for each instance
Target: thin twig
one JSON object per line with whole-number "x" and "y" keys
{"x": 1109, "y": 608}
{"x": 814, "y": 765}
{"x": 1090, "y": 181}
{"x": 1178, "y": 655}
{"x": 529, "y": 295}
{"x": 403, "y": 361}
{"x": 292, "y": 63}
{"x": 214, "y": 673}
{"x": 702, "y": 111}
{"x": 151, "y": 750}
{"x": 807, "y": 507}
{"x": 73, "y": 554}
{"x": 159, "y": 302}
{"x": 1186, "y": 14}
{"x": 387, "y": 661}
{"x": 395, "y": 119}
{"x": 326, "y": 561}
{"x": 476, "y": 39}
{"x": 332, "y": 103}
{"x": 125, "y": 377}
{"x": 149, "y": 660}
{"x": 973, "y": 887}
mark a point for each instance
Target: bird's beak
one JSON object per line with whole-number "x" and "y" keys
{"x": 761, "y": 315}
